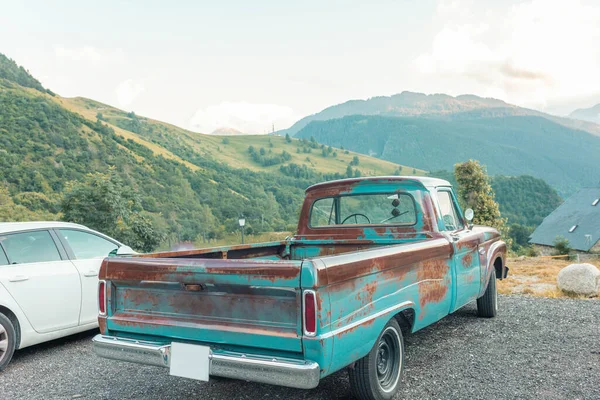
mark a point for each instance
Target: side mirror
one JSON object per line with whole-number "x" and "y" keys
{"x": 125, "y": 251}
{"x": 469, "y": 214}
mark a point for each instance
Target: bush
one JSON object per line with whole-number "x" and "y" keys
{"x": 532, "y": 252}
{"x": 561, "y": 246}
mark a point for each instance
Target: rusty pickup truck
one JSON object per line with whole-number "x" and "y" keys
{"x": 373, "y": 259}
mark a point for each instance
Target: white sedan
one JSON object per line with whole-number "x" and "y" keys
{"x": 48, "y": 281}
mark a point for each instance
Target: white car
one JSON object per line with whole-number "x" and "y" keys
{"x": 48, "y": 281}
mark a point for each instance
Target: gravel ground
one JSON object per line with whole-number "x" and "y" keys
{"x": 535, "y": 349}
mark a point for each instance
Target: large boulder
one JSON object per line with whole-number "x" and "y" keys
{"x": 581, "y": 279}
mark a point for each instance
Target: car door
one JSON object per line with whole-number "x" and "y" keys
{"x": 465, "y": 243}
{"x": 41, "y": 280}
{"x": 87, "y": 250}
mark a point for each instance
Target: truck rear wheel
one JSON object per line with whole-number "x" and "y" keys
{"x": 487, "y": 305}
{"x": 7, "y": 341}
{"x": 377, "y": 375}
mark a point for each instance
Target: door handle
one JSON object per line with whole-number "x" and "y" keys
{"x": 18, "y": 278}
{"x": 455, "y": 238}
{"x": 90, "y": 273}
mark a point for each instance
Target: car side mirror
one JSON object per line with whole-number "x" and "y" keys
{"x": 125, "y": 251}
{"x": 469, "y": 214}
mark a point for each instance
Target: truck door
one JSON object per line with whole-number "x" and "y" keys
{"x": 465, "y": 243}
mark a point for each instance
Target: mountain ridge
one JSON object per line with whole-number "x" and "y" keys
{"x": 591, "y": 114}
{"x": 409, "y": 104}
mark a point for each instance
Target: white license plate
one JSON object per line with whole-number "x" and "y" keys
{"x": 190, "y": 361}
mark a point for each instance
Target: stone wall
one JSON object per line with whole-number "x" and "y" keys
{"x": 596, "y": 248}
{"x": 593, "y": 254}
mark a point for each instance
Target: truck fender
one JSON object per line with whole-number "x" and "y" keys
{"x": 495, "y": 263}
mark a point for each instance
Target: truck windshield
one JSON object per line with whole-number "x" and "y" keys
{"x": 367, "y": 209}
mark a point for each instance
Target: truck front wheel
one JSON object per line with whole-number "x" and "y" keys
{"x": 487, "y": 305}
{"x": 377, "y": 375}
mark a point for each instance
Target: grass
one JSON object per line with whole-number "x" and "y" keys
{"x": 233, "y": 150}
{"x": 536, "y": 276}
{"x": 81, "y": 106}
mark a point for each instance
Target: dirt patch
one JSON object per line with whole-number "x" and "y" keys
{"x": 535, "y": 276}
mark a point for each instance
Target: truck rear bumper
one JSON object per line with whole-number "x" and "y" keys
{"x": 251, "y": 367}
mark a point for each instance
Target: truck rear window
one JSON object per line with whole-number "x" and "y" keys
{"x": 367, "y": 209}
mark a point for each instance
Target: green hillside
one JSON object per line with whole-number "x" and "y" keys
{"x": 189, "y": 184}
{"x": 181, "y": 144}
{"x": 565, "y": 158}
{"x": 10, "y": 71}
{"x": 524, "y": 199}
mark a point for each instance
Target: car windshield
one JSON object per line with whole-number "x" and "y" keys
{"x": 367, "y": 209}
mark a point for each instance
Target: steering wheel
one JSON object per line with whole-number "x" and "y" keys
{"x": 356, "y": 218}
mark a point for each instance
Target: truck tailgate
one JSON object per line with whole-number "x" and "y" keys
{"x": 225, "y": 302}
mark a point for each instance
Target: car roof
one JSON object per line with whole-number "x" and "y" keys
{"x": 8, "y": 227}
{"x": 425, "y": 181}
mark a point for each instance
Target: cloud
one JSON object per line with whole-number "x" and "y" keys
{"x": 89, "y": 55}
{"x": 243, "y": 116}
{"x": 534, "y": 51}
{"x": 128, "y": 90}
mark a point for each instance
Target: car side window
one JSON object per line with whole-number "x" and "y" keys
{"x": 450, "y": 214}
{"x": 30, "y": 247}
{"x": 3, "y": 259}
{"x": 86, "y": 245}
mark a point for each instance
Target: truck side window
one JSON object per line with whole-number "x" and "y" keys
{"x": 450, "y": 214}
{"x": 323, "y": 212}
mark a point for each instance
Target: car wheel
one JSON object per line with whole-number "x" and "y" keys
{"x": 377, "y": 375}
{"x": 7, "y": 340}
{"x": 487, "y": 305}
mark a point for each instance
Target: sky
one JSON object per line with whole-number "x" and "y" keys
{"x": 264, "y": 64}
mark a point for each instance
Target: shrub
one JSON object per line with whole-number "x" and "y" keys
{"x": 561, "y": 245}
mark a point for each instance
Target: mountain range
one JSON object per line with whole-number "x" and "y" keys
{"x": 434, "y": 132}
{"x": 591, "y": 114}
{"x": 438, "y": 106}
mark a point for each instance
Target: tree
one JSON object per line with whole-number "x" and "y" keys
{"x": 11, "y": 212}
{"x": 475, "y": 191}
{"x": 101, "y": 202}
{"x": 288, "y": 138}
{"x": 349, "y": 172}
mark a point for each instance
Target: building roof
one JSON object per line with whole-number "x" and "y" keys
{"x": 577, "y": 219}
{"x": 423, "y": 180}
{"x": 7, "y": 227}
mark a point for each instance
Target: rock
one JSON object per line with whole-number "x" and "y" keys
{"x": 581, "y": 279}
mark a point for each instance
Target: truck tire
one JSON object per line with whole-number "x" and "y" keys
{"x": 487, "y": 305}
{"x": 377, "y": 375}
{"x": 8, "y": 340}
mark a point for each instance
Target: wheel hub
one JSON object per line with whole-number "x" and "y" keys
{"x": 3, "y": 342}
{"x": 388, "y": 360}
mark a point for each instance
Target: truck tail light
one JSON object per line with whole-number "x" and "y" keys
{"x": 102, "y": 297}
{"x": 310, "y": 313}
